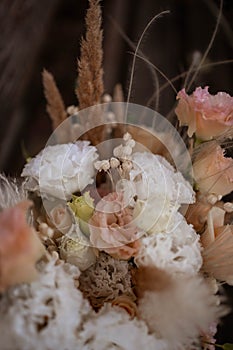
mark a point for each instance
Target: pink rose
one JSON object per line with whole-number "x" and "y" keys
{"x": 111, "y": 227}
{"x": 20, "y": 247}
{"x": 206, "y": 115}
{"x": 213, "y": 172}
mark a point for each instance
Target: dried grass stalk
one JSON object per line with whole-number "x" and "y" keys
{"x": 118, "y": 95}
{"x": 56, "y": 108}
{"x": 55, "y": 105}
{"x": 90, "y": 72}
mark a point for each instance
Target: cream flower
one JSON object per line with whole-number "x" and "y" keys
{"x": 20, "y": 247}
{"x": 75, "y": 249}
{"x": 213, "y": 172}
{"x": 61, "y": 170}
{"x": 111, "y": 228}
{"x": 206, "y": 115}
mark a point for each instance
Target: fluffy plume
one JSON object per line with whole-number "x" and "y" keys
{"x": 176, "y": 309}
{"x": 90, "y": 73}
{"x": 55, "y": 104}
{"x": 11, "y": 192}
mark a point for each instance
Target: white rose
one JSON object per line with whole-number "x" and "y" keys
{"x": 75, "y": 249}
{"x": 61, "y": 170}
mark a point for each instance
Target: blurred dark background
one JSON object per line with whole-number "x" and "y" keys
{"x": 46, "y": 34}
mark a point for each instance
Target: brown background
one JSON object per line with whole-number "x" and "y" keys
{"x": 36, "y": 34}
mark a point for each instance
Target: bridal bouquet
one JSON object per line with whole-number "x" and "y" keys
{"x": 119, "y": 234}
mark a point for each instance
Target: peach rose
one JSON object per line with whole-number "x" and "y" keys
{"x": 213, "y": 172}
{"x": 111, "y": 227}
{"x": 206, "y": 115}
{"x": 20, "y": 247}
{"x": 60, "y": 218}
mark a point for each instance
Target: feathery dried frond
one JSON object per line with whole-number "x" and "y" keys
{"x": 55, "y": 105}
{"x": 90, "y": 72}
{"x": 217, "y": 256}
{"x": 11, "y": 192}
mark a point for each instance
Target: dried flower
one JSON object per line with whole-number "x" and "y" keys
{"x": 108, "y": 278}
{"x": 102, "y": 165}
{"x": 213, "y": 172}
{"x": 61, "y": 170}
{"x": 111, "y": 229}
{"x": 206, "y": 115}
{"x": 20, "y": 247}
{"x": 114, "y": 163}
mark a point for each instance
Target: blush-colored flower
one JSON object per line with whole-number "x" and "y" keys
{"x": 20, "y": 247}
{"x": 205, "y": 115}
{"x": 213, "y": 172}
{"x": 61, "y": 218}
{"x": 111, "y": 227}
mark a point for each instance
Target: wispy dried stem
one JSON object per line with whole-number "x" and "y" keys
{"x": 55, "y": 105}
{"x": 90, "y": 72}
{"x": 118, "y": 95}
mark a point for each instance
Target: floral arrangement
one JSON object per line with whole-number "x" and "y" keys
{"x": 119, "y": 236}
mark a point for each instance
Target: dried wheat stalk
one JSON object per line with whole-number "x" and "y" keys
{"x": 55, "y": 105}
{"x": 90, "y": 85}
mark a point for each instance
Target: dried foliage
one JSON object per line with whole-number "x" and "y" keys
{"x": 90, "y": 72}
{"x": 150, "y": 278}
{"x": 55, "y": 105}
